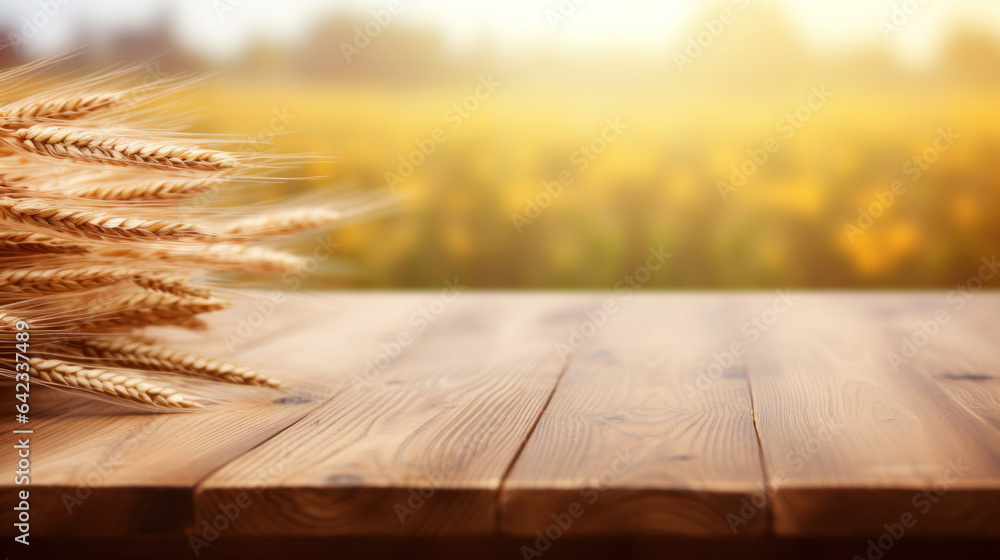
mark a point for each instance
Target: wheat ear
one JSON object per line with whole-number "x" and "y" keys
{"x": 173, "y": 189}
{"x": 128, "y": 353}
{"x": 216, "y": 255}
{"x": 94, "y": 225}
{"x": 170, "y": 284}
{"x": 62, "y": 108}
{"x": 148, "y": 307}
{"x": 37, "y": 243}
{"x": 109, "y": 383}
{"x": 89, "y": 146}
{"x": 189, "y": 323}
{"x": 284, "y": 222}
{"x": 244, "y": 257}
{"x": 55, "y": 280}
{"x": 7, "y": 321}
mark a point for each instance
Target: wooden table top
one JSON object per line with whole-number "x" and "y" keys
{"x": 609, "y": 415}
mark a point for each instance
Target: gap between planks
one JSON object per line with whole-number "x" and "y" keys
{"x": 199, "y": 486}
{"x": 503, "y": 479}
{"x": 325, "y": 508}
{"x": 745, "y": 365}
{"x": 766, "y": 478}
{"x": 698, "y": 455}
{"x": 872, "y": 467}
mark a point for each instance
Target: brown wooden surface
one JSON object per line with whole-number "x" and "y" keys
{"x": 963, "y": 357}
{"x": 631, "y": 443}
{"x": 812, "y": 426}
{"x": 100, "y": 469}
{"x": 850, "y": 442}
{"x": 423, "y": 449}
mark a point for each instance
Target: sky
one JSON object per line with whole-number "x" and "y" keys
{"x": 224, "y": 28}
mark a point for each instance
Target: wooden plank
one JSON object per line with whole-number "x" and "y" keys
{"x": 103, "y": 470}
{"x": 422, "y": 448}
{"x": 961, "y": 351}
{"x": 649, "y": 433}
{"x": 854, "y": 447}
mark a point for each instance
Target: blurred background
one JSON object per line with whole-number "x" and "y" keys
{"x": 554, "y": 143}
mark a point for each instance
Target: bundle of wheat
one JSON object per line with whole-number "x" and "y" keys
{"x": 92, "y": 251}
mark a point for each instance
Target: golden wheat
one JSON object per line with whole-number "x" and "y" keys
{"x": 37, "y": 243}
{"x": 89, "y": 244}
{"x": 8, "y": 322}
{"x": 61, "y": 108}
{"x": 95, "y": 225}
{"x": 133, "y": 354}
{"x": 144, "y": 307}
{"x": 109, "y": 383}
{"x": 284, "y": 222}
{"x": 171, "y": 189}
{"x": 217, "y": 256}
{"x": 170, "y": 284}
{"x": 56, "y": 280}
{"x": 90, "y": 146}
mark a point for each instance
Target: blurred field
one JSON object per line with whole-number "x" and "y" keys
{"x": 815, "y": 214}
{"x": 655, "y": 185}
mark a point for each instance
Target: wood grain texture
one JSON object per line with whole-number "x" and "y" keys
{"x": 421, "y": 448}
{"x": 961, "y": 355}
{"x": 104, "y": 470}
{"x": 447, "y": 431}
{"x": 645, "y": 436}
{"x": 854, "y": 446}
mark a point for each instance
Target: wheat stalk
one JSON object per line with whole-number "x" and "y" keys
{"x": 144, "y": 307}
{"x": 95, "y": 225}
{"x": 89, "y": 146}
{"x": 55, "y": 280}
{"x": 172, "y": 189}
{"x": 12, "y": 191}
{"x": 37, "y": 243}
{"x": 129, "y": 353}
{"x": 88, "y": 244}
{"x": 189, "y": 323}
{"x": 109, "y": 383}
{"x": 260, "y": 258}
{"x": 62, "y": 108}
{"x": 170, "y": 284}
{"x": 283, "y": 222}
{"x": 7, "y": 321}
{"x": 226, "y": 256}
